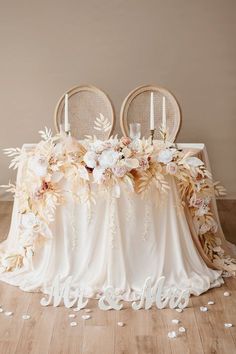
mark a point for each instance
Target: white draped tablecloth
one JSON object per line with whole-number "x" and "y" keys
{"x": 118, "y": 242}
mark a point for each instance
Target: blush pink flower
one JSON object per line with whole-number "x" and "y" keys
{"x": 119, "y": 171}
{"x": 171, "y": 168}
{"x": 125, "y": 140}
{"x": 143, "y": 163}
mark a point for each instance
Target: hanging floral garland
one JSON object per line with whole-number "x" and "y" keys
{"x": 59, "y": 165}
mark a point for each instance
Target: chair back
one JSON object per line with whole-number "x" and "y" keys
{"x": 90, "y": 110}
{"x": 136, "y": 108}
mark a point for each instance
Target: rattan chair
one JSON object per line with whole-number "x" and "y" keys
{"x": 136, "y": 108}
{"x": 87, "y": 107}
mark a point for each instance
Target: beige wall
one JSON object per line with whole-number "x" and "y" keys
{"x": 187, "y": 46}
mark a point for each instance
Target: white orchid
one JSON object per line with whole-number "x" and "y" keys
{"x": 90, "y": 158}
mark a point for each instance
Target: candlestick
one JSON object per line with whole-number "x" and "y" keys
{"x": 67, "y": 125}
{"x": 151, "y": 112}
{"x": 164, "y": 113}
{"x": 152, "y": 132}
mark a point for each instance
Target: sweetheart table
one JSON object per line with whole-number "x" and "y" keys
{"x": 110, "y": 235}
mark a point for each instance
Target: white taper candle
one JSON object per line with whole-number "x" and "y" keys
{"x": 151, "y": 112}
{"x": 164, "y": 113}
{"x": 67, "y": 126}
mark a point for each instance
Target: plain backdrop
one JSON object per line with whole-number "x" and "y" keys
{"x": 187, "y": 46}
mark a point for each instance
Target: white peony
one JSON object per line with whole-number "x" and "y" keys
{"x": 108, "y": 158}
{"x": 165, "y": 156}
{"x": 98, "y": 174}
{"x": 39, "y": 165}
{"x": 90, "y": 158}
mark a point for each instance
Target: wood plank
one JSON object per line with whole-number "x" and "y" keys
{"x": 16, "y": 301}
{"x": 37, "y": 331}
{"x": 215, "y": 339}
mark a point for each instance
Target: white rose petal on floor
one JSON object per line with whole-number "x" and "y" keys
{"x": 25, "y": 317}
{"x": 228, "y": 325}
{"x": 203, "y": 309}
{"x": 182, "y": 329}
{"x": 172, "y": 334}
{"x": 120, "y": 324}
{"x": 179, "y": 310}
{"x": 71, "y": 315}
{"x": 87, "y": 310}
{"x": 86, "y": 317}
{"x": 8, "y": 313}
{"x": 226, "y": 293}
{"x": 175, "y": 321}
{"x": 73, "y": 324}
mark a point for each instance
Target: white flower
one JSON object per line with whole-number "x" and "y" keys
{"x": 27, "y": 237}
{"x": 108, "y": 158}
{"x": 193, "y": 161}
{"x": 98, "y": 174}
{"x": 83, "y": 173}
{"x": 58, "y": 149}
{"x": 171, "y": 168}
{"x": 29, "y": 220}
{"x": 39, "y": 165}
{"x": 126, "y": 152}
{"x": 202, "y": 210}
{"x": 11, "y": 261}
{"x": 90, "y": 158}
{"x": 204, "y": 228}
{"x": 131, "y": 163}
{"x": 97, "y": 146}
{"x": 56, "y": 177}
{"x": 165, "y": 156}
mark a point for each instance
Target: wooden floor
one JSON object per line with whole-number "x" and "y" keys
{"x": 49, "y": 331}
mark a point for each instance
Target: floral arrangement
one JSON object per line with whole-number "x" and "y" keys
{"x": 60, "y": 165}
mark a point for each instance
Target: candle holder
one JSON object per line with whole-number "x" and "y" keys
{"x": 152, "y": 132}
{"x": 164, "y": 134}
{"x": 68, "y": 131}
